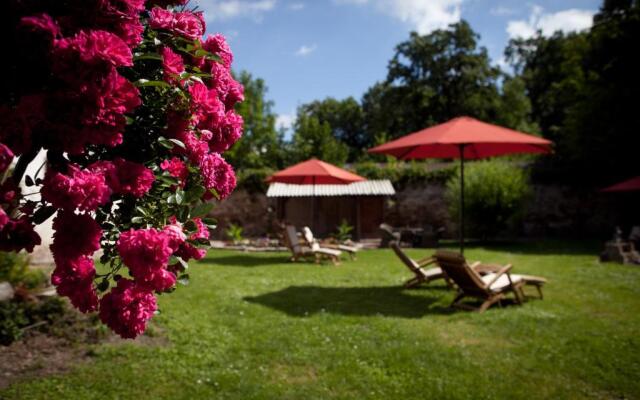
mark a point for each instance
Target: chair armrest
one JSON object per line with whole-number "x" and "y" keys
{"x": 426, "y": 261}
{"x": 475, "y": 265}
{"x": 503, "y": 270}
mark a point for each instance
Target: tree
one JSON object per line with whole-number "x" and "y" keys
{"x": 314, "y": 139}
{"x": 583, "y": 89}
{"x": 261, "y": 145}
{"x": 431, "y": 79}
{"x": 514, "y": 109}
{"x": 346, "y": 120}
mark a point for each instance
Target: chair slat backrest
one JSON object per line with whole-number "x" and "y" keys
{"x": 292, "y": 238}
{"x": 308, "y": 237}
{"x": 404, "y": 257}
{"x": 456, "y": 267}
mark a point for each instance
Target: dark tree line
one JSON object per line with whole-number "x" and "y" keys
{"x": 577, "y": 89}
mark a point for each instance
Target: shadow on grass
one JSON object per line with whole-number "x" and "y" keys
{"x": 391, "y": 301}
{"x": 245, "y": 260}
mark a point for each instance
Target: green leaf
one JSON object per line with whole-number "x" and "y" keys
{"x": 201, "y": 210}
{"x": 165, "y": 142}
{"x": 103, "y": 285}
{"x": 178, "y": 143}
{"x": 190, "y": 226}
{"x": 137, "y": 220}
{"x": 179, "y": 195}
{"x": 210, "y": 223}
{"x": 147, "y": 83}
{"x": 195, "y": 193}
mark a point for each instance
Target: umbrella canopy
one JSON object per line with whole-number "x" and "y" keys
{"x": 463, "y": 138}
{"x": 477, "y": 139}
{"x": 632, "y": 185}
{"x": 315, "y": 172}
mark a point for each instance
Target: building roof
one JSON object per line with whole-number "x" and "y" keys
{"x": 364, "y": 188}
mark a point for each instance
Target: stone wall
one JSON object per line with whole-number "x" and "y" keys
{"x": 551, "y": 211}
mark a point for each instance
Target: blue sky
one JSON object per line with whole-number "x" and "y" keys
{"x": 312, "y": 49}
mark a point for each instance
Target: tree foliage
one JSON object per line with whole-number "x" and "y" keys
{"x": 261, "y": 145}
{"x": 346, "y": 120}
{"x": 494, "y": 194}
{"x": 313, "y": 138}
{"x": 431, "y": 79}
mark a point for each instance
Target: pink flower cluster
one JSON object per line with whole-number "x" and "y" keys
{"x": 107, "y": 167}
{"x": 76, "y": 238}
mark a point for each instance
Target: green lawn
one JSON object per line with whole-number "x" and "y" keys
{"x": 256, "y": 326}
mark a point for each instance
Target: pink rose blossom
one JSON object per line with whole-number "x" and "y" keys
{"x": 73, "y": 278}
{"x": 228, "y": 132}
{"x": 93, "y": 48}
{"x": 186, "y": 24}
{"x": 202, "y": 231}
{"x": 217, "y": 44}
{"x": 125, "y": 177}
{"x": 172, "y": 65}
{"x": 17, "y": 235}
{"x": 75, "y": 235}
{"x": 146, "y": 252}
{"x": 189, "y": 25}
{"x": 4, "y": 218}
{"x": 217, "y": 174}
{"x": 42, "y": 23}
{"x": 127, "y": 308}
{"x": 176, "y": 168}
{"x": 81, "y": 189}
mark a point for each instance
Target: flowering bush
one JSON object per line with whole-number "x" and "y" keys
{"x": 133, "y": 108}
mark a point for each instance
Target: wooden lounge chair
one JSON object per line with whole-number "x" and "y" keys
{"x": 491, "y": 288}
{"x": 301, "y": 250}
{"x": 422, "y": 275}
{"x": 311, "y": 242}
{"x": 388, "y": 235}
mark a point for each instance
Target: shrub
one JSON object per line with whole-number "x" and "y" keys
{"x": 14, "y": 268}
{"x": 343, "y": 232}
{"x": 494, "y": 195}
{"x": 133, "y": 108}
{"x": 234, "y": 233}
{"x": 16, "y": 315}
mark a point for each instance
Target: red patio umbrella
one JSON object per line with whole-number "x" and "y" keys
{"x": 315, "y": 172}
{"x": 631, "y": 185}
{"x": 463, "y": 138}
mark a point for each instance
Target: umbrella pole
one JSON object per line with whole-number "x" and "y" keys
{"x": 461, "y": 228}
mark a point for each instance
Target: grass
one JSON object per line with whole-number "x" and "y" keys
{"x": 254, "y": 326}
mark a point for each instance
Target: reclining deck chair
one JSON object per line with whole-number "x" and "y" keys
{"x": 491, "y": 288}
{"x": 422, "y": 275}
{"x": 311, "y": 242}
{"x": 301, "y": 250}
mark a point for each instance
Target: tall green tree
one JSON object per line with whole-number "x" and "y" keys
{"x": 431, "y": 79}
{"x": 261, "y": 145}
{"x": 313, "y": 138}
{"x": 346, "y": 120}
{"x": 583, "y": 89}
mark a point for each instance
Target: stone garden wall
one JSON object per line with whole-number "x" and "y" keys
{"x": 552, "y": 211}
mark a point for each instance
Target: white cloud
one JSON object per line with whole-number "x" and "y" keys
{"x": 424, "y": 16}
{"x": 305, "y": 50}
{"x": 228, "y": 9}
{"x": 285, "y": 121}
{"x": 566, "y": 21}
{"x": 296, "y": 6}
{"x": 502, "y": 11}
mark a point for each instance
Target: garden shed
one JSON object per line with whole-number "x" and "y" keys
{"x": 324, "y": 207}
